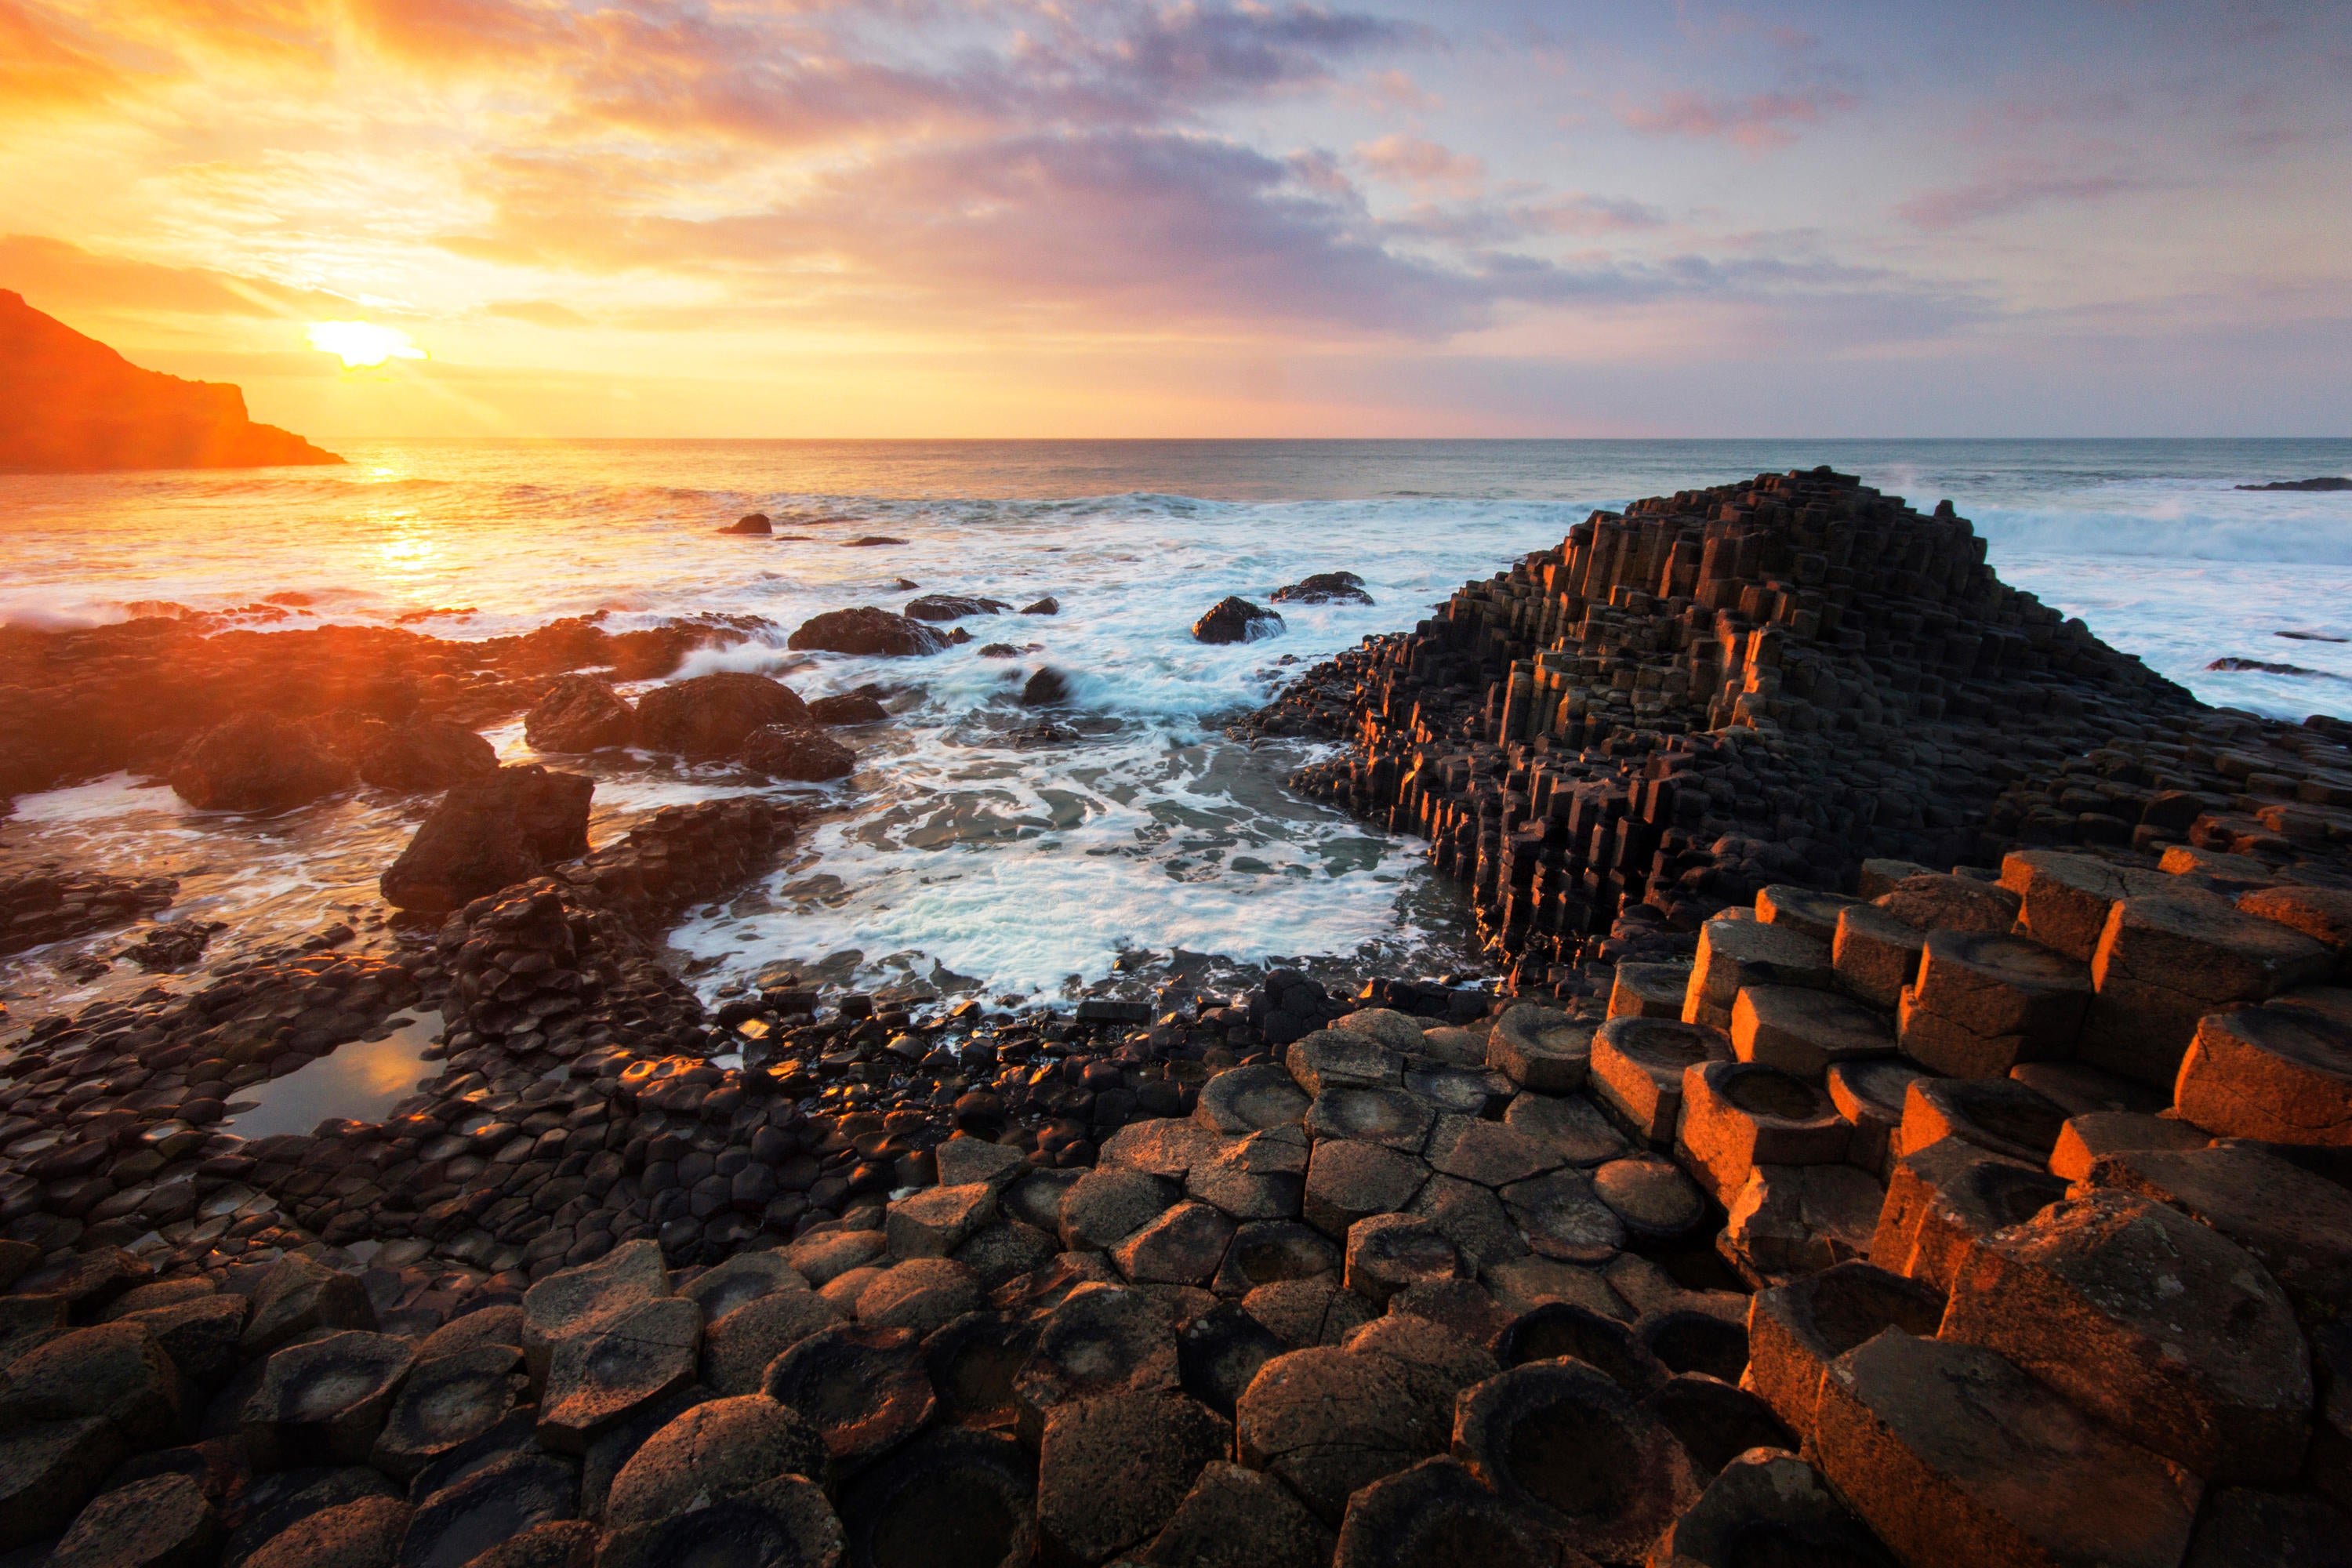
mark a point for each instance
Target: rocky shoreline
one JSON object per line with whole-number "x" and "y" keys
{"x": 1913, "y": 1128}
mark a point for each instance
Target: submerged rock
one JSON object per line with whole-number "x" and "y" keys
{"x": 784, "y": 752}
{"x": 953, "y": 606}
{"x": 578, "y": 713}
{"x": 711, "y": 716}
{"x": 1325, "y": 588}
{"x": 753, "y": 523}
{"x": 1045, "y": 688}
{"x": 1236, "y": 619}
{"x": 866, "y": 630}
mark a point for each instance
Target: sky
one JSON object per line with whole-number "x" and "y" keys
{"x": 1030, "y": 218}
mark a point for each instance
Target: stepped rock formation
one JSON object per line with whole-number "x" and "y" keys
{"x": 71, "y": 404}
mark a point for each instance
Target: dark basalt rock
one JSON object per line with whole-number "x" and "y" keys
{"x": 871, "y": 541}
{"x": 578, "y": 713}
{"x": 1325, "y": 588}
{"x": 863, "y": 1390}
{"x": 327, "y": 1397}
{"x": 1560, "y": 1329}
{"x": 1236, "y": 619}
{"x": 949, "y": 1499}
{"x": 365, "y": 1533}
{"x": 1048, "y": 606}
{"x": 1048, "y": 687}
{"x": 848, "y": 708}
{"x": 163, "y": 1522}
{"x": 712, "y": 716}
{"x": 808, "y": 755}
{"x": 1220, "y": 1351}
{"x": 1715, "y": 1422}
{"x": 866, "y": 630}
{"x": 426, "y": 754}
{"x": 456, "y": 1524}
{"x": 1236, "y": 1518}
{"x": 1436, "y": 1512}
{"x": 257, "y": 761}
{"x": 446, "y": 1402}
{"x": 953, "y": 607}
{"x": 714, "y": 1451}
{"x": 2333, "y": 482}
{"x": 48, "y": 1468}
{"x": 783, "y": 1523}
{"x": 491, "y": 834}
{"x": 753, "y": 524}
{"x": 972, "y": 1362}
{"x": 1111, "y": 1471}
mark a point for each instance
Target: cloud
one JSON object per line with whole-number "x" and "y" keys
{"x": 537, "y": 314}
{"x": 1415, "y": 161}
{"x": 54, "y": 275}
{"x": 2008, "y": 191}
{"x": 40, "y": 69}
{"x": 1762, "y": 121}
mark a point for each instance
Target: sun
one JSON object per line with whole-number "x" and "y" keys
{"x": 363, "y": 343}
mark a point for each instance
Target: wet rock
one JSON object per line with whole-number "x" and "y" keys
{"x": 866, "y": 630}
{"x": 459, "y": 1523}
{"x": 488, "y": 834}
{"x": 257, "y": 761}
{"x": 580, "y": 713}
{"x": 1232, "y": 619}
{"x": 972, "y": 1362}
{"x": 713, "y": 1451}
{"x": 1388, "y": 1252}
{"x": 1772, "y": 1506}
{"x": 2163, "y": 1329}
{"x": 1103, "y": 1340}
{"x": 920, "y": 1295}
{"x": 1328, "y": 1422}
{"x": 326, "y": 1397}
{"x": 1111, "y": 1471}
{"x": 2281, "y": 1074}
{"x": 848, "y": 708}
{"x": 425, "y": 754}
{"x": 948, "y": 1498}
{"x": 1236, "y": 1518}
{"x": 1048, "y": 606}
{"x": 1250, "y": 1099}
{"x": 953, "y": 607}
{"x": 48, "y": 1468}
{"x": 163, "y": 1522}
{"x": 1323, "y": 589}
{"x": 810, "y": 756}
{"x": 1437, "y": 1512}
{"x": 1045, "y": 688}
{"x": 863, "y": 1390}
{"x": 447, "y": 1401}
{"x": 599, "y": 1377}
{"x": 1953, "y": 1456}
{"x": 1541, "y": 1049}
{"x": 785, "y": 1521}
{"x": 365, "y": 1533}
{"x": 1565, "y": 1443}
{"x": 713, "y": 716}
{"x": 737, "y": 1349}
{"x": 115, "y": 1372}
{"x": 752, "y": 524}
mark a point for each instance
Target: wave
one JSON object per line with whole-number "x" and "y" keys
{"x": 2299, "y": 530}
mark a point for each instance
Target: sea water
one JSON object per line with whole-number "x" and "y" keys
{"x": 960, "y": 854}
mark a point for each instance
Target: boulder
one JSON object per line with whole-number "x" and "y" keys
{"x": 709, "y": 717}
{"x": 1234, "y": 619}
{"x": 488, "y": 834}
{"x": 425, "y": 754}
{"x": 866, "y": 630}
{"x": 2163, "y": 1329}
{"x": 162, "y": 1521}
{"x": 324, "y": 1398}
{"x": 1112, "y": 1472}
{"x": 953, "y": 607}
{"x": 1048, "y": 606}
{"x": 752, "y": 524}
{"x": 715, "y": 1450}
{"x": 578, "y": 713}
{"x": 810, "y": 756}
{"x": 845, "y": 708}
{"x": 257, "y": 761}
{"x": 1955, "y": 1458}
{"x": 1045, "y": 688}
{"x": 199, "y": 1335}
{"x": 1323, "y": 589}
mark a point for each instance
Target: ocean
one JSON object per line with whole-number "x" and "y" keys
{"x": 956, "y": 855}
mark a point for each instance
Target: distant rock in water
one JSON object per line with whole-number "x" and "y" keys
{"x": 2267, "y": 667}
{"x": 711, "y": 716}
{"x": 82, "y": 407}
{"x": 2336, "y": 482}
{"x": 755, "y": 524}
{"x": 1048, "y": 606}
{"x": 578, "y": 713}
{"x": 258, "y": 762}
{"x": 2310, "y": 637}
{"x": 491, "y": 834}
{"x": 864, "y": 630}
{"x": 868, "y": 541}
{"x": 1325, "y": 588}
{"x": 811, "y": 756}
{"x": 848, "y": 708}
{"x": 1234, "y": 620}
{"x": 953, "y": 607}
{"x": 1045, "y": 688}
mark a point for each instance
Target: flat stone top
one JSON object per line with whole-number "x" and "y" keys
{"x": 2012, "y": 959}
{"x": 1664, "y": 1042}
{"x": 2298, "y": 1035}
{"x": 2206, "y": 918}
{"x": 1767, "y": 1092}
{"x": 1870, "y": 921}
{"x": 1753, "y": 941}
{"x": 1813, "y": 913}
{"x": 1936, "y": 901}
{"x": 2022, "y": 869}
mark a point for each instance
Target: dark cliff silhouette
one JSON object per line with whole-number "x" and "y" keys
{"x": 69, "y": 404}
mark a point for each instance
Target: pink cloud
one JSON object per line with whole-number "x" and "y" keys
{"x": 1762, "y": 120}
{"x": 1415, "y": 161}
{"x": 2008, "y": 191}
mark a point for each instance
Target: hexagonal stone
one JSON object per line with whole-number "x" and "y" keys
{"x": 865, "y": 1390}
{"x": 1870, "y": 1095}
{"x": 1102, "y": 1340}
{"x": 1945, "y": 1199}
{"x": 2281, "y": 1074}
{"x": 1803, "y": 909}
{"x": 737, "y": 1349}
{"x": 1182, "y": 1247}
{"x": 1250, "y": 1099}
{"x": 1874, "y": 955}
{"x": 1650, "y": 1196}
{"x": 2087, "y": 1139}
{"x": 1389, "y": 1116}
{"x": 2165, "y": 962}
{"x": 1388, "y": 1027}
{"x": 964, "y": 1159}
{"x": 1736, "y": 954}
{"x": 1559, "y": 1329}
{"x": 1561, "y": 1216}
{"x": 1564, "y": 1442}
{"x": 1796, "y": 1329}
{"x": 1430, "y": 1349}
{"x": 114, "y": 1370}
{"x": 1487, "y": 1152}
{"x": 575, "y": 1301}
{"x": 1638, "y": 1065}
{"x": 1541, "y": 1048}
{"x": 1328, "y": 1422}
{"x": 1465, "y": 1091}
{"x": 1219, "y": 1352}
{"x": 552, "y": 1544}
{"x": 297, "y": 1295}
{"x": 1736, "y": 1115}
{"x": 1525, "y": 1284}
{"x": 1804, "y": 1031}
{"x": 972, "y": 1362}
{"x": 1262, "y": 1176}
{"x": 1345, "y": 1181}
{"x": 1999, "y": 1115}
{"x": 714, "y": 1451}
{"x": 1471, "y": 1217}
{"x": 1236, "y": 1518}
{"x": 1953, "y": 1456}
{"x": 783, "y": 1521}
{"x": 2065, "y": 898}
{"x": 483, "y": 1326}
{"x": 1104, "y": 1209}
{"x": 1649, "y": 990}
{"x": 464, "y": 1520}
{"x": 1985, "y": 1003}
{"x": 744, "y": 1277}
{"x": 48, "y": 1469}
{"x": 2297, "y": 1224}
{"x": 599, "y": 1377}
{"x": 920, "y": 1295}
{"x": 1112, "y": 1472}
{"x": 1162, "y": 1146}
{"x": 1793, "y": 1219}
{"x": 1265, "y": 1251}
{"x": 2166, "y": 1330}
{"x": 949, "y": 1496}
{"x": 1303, "y": 1312}
{"x": 1571, "y": 1126}
{"x": 822, "y": 1259}
{"x": 365, "y": 1533}
{"x": 936, "y": 1221}
{"x": 1438, "y": 1512}
{"x": 1337, "y": 1058}
{"x": 1388, "y": 1252}
{"x": 444, "y": 1404}
{"x": 1005, "y": 1251}
{"x": 1937, "y": 901}
{"x": 326, "y": 1397}
{"x": 1716, "y": 1421}
{"x": 1774, "y": 1505}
